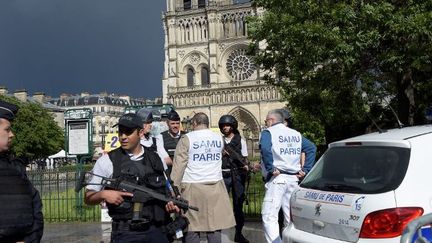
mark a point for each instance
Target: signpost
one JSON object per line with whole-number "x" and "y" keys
{"x": 78, "y": 124}
{"x": 79, "y": 141}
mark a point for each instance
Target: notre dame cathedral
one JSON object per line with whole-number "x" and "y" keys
{"x": 206, "y": 66}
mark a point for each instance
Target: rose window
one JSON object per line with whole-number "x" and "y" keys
{"x": 240, "y": 66}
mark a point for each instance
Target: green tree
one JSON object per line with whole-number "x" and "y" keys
{"x": 341, "y": 62}
{"x": 37, "y": 135}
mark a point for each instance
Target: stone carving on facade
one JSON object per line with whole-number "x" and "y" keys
{"x": 221, "y": 46}
{"x": 172, "y": 72}
{"x": 194, "y": 58}
{"x": 181, "y": 53}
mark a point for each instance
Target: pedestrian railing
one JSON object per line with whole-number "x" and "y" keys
{"x": 62, "y": 204}
{"x": 254, "y": 197}
{"x": 60, "y": 201}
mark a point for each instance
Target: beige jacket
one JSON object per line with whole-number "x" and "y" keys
{"x": 215, "y": 210}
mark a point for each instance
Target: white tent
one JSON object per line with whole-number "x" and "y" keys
{"x": 60, "y": 154}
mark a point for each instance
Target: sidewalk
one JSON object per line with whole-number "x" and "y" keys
{"x": 100, "y": 232}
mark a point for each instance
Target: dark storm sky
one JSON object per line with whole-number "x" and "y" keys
{"x": 72, "y": 46}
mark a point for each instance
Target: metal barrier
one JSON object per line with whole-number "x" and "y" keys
{"x": 61, "y": 203}
{"x": 254, "y": 197}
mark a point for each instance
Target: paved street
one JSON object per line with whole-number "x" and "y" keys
{"x": 100, "y": 232}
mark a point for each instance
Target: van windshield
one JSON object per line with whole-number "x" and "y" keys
{"x": 359, "y": 169}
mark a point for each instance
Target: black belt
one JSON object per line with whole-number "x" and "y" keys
{"x": 128, "y": 225}
{"x": 288, "y": 173}
{"x": 270, "y": 175}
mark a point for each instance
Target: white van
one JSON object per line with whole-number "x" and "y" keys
{"x": 365, "y": 189}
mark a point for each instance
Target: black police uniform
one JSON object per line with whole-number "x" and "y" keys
{"x": 170, "y": 144}
{"x": 147, "y": 223}
{"x": 233, "y": 165}
{"x": 21, "y": 216}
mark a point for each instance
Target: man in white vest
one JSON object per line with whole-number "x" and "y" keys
{"x": 280, "y": 154}
{"x": 197, "y": 172}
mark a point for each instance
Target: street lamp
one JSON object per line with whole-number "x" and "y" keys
{"x": 102, "y": 133}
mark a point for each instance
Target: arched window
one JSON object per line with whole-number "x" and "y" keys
{"x": 190, "y": 77}
{"x": 187, "y": 4}
{"x": 201, "y": 3}
{"x": 205, "y": 78}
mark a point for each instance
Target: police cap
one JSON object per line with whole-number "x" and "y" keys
{"x": 130, "y": 120}
{"x": 146, "y": 115}
{"x": 7, "y": 110}
{"x": 173, "y": 116}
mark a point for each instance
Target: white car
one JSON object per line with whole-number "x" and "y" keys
{"x": 365, "y": 189}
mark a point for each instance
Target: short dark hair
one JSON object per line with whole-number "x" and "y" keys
{"x": 200, "y": 118}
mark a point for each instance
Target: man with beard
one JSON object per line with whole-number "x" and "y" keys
{"x": 234, "y": 169}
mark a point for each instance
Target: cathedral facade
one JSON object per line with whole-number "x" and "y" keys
{"x": 206, "y": 65}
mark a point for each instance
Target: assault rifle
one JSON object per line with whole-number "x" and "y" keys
{"x": 235, "y": 157}
{"x": 140, "y": 193}
{"x": 237, "y": 160}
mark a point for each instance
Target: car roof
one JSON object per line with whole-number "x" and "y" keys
{"x": 397, "y": 134}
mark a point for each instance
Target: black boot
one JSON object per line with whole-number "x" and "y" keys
{"x": 240, "y": 238}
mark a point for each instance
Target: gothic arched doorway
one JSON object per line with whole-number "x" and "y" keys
{"x": 249, "y": 128}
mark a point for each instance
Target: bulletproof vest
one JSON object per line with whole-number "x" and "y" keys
{"x": 170, "y": 143}
{"x": 235, "y": 145}
{"x": 16, "y": 210}
{"x": 147, "y": 172}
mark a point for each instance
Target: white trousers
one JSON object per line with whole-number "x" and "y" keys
{"x": 277, "y": 194}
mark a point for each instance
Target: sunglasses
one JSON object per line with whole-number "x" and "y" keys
{"x": 126, "y": 130}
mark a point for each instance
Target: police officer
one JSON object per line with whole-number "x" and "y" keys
{"x": 148, "y": 140}
{"x": 136, "y": 162}
{"x": 197, "y": 171}
{"x": 234, "y": 169}
{"x": 167, "y": 140}
{"x": 21, "y": 218}
{"x": 146, "y": 116}
{"x": 280, "y": 154}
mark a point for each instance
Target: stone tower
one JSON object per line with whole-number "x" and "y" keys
{"x": 206, "y": 66}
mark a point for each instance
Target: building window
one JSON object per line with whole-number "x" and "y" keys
{"x": 102, "y": 109}
{"x": 201, "y": 3}
{"x": 190, "y": 77}
{"x": 187, "y": 4}
{"x": 205, "y": 78}
{"x": 239, "y": 65}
